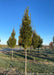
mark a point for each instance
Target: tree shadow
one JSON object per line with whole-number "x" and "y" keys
{"x": 30, "y": 54}
{"x": 50, "y": 52}
{"x": 20, "y": 53}
{"x": 45, "y": 57}
{"x": 42, "y": 55}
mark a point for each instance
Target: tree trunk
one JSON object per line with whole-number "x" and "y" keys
{"x": 12, "y": 54}
{"x": 25, "y": 61}
{"x": 20, "y": 47}
{"x": 34, "y": 59}
{"x": 38, "y": 51}
{"x": 29, "y": 50}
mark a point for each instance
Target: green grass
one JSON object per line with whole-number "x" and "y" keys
{"x": 40, "y": 68}
{"x": 18, "y": 61}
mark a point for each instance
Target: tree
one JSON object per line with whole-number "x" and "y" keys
{"x": 26, "y": 35}
{"x": 53, "y": 39}
{"x": 12, "y": 41}
{"x": 35, "y": 41}
{"x": 51, "y": 45}
{"x": 39, "y": 43}
{"x": 20, "y": 41}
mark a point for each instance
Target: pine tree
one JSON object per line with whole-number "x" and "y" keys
{"x": 26, "y": 35}
{"x": 12, "y": 41}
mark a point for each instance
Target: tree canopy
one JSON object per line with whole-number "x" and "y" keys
{"x": 12, "y": 41}
{"x": 40, "y": 42}
{"x": 25, "y": 31}
{"x": 35, "y": 40}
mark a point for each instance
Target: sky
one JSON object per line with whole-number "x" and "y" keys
{"x": 42, "y": 18}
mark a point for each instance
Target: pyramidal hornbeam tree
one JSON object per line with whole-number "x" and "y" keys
{"x": 39, "y": 43}
{"x": 35, "y": 41}
{"x": 26, "y": 35}
{"x": 12, "y": 41}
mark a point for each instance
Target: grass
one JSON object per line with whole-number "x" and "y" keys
{"x": 40, "y": 65}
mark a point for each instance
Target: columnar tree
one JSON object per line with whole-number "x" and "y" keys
{"x": 39, "y": 43}
{"x": 35, "y": 40}
{"x": 12, "y": 41}
{"x": 20, "y": 41}
{"x": 51, "y": 45}
{"x": 26, "y": 35}
{"x": 53, "y": 42}
{"x": 53, "y": 39}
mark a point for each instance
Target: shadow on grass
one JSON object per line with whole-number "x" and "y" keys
{"x": 47, "y": 58}
{"x": 30, "y": 55}
{"x": 50, "y": 52}
{"x": 18, "y": 53}
{"x": 42, "y": 55}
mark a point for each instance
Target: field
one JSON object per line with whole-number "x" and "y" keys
{"x": 42, "y": 62}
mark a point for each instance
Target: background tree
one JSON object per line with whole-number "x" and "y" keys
{"x": 20, "y": 39}
{"x": 35, "y": 41}
{"x": 20, "y": 42}
{"x": 51, "y": 45}
{"x": 12, "y": 41}
{"x": 53, "y": 39}
{"x": 26, "y": 35}
{"x": 39, "y": 43}
{"x": 53, "y": 42}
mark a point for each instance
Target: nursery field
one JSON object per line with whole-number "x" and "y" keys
{"x": 37, "y": 62}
